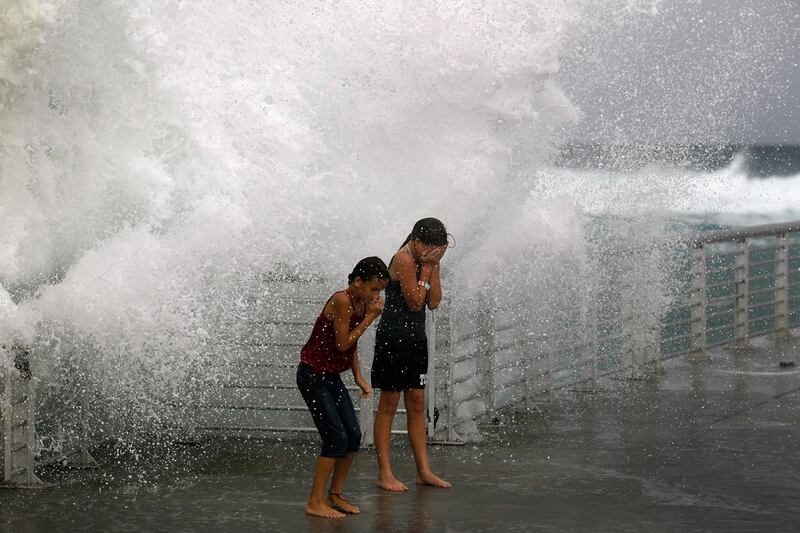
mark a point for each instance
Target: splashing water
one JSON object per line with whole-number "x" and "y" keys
{"x": 157, "y": 157}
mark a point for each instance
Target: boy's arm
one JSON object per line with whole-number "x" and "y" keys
{"x": 342, "y": 309}
{"x": 366, "y": 390}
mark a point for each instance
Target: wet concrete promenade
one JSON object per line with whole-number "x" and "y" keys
{"x": 706, "y": 445}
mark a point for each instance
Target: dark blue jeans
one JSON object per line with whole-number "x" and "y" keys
{"x": 332, "y": 410}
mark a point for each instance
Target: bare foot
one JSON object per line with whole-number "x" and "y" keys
{"x": 433, "y": 480}
{"x": 322, "y": 509}
{"x": 391, "y": 483}
{"x": 340, "y": 504}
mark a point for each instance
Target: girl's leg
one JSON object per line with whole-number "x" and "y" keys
{"x": 387, "y": 407}
{"x": 317, "y": 504}
{"x": 415, "y": 411}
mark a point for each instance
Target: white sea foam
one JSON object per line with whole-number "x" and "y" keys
{"x": 157, "y": 156}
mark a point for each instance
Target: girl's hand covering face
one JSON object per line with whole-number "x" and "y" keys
{"x": 433, "y": 254}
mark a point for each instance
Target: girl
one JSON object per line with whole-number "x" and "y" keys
{"x": 330, "y": 350}
{"x": 401, "y": 348}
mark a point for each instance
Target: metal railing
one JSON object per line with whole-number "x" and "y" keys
{"x": 488, "y": 354}
{"x": 17, "y": 413}
{"x": 739, "y": 285}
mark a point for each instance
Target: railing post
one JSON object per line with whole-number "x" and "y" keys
{"x": 20, "y": 430}
{"x": 782, "y": 289}
{"x": 698, "y": 323}
{"x": 451, "y": 346}
{"x": 742, "y": 292}
{"x": 589, "y": 313}
{"x": 6, "y": 412}
{"x": 366, "y": 417}
{"x": 430, "y": 383}
{"x": 485, "y": 326}
{"x": 528, "y": 369}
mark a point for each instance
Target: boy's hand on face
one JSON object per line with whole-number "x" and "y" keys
{"x": 375, "y": 307}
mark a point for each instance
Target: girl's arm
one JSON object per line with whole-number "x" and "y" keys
{"x": 342, "y": 309}
{"x": 366, "y": 390}
{"x": 413, "y": 292}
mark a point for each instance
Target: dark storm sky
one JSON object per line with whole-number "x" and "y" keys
{"x": 688, "y": 71}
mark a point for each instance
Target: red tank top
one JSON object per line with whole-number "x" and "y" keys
{"x": 320, "y": 352}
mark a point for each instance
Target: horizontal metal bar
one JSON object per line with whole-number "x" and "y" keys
{"x": 762, "y": 332}
{"x": 725, "y": 284}
{"x": 754, "y": 248}
{"x": 720, "y": 299}
{"x": 274, "y": 387}
{"x": 765, "y": 276}
{"x": 578, "y": 364}
{"x": 264, "y": 321}
{"x": 769, "y": 230}
{"x": 463, "y": 379}
{"x": 275, "y": 429}
{"x": 509, "y": 364}
{"x": 507, "y": 345}
{"x": 578, "y": 382}
{"x": 721, "y": 313}
{"x": 679, "y": 323}
{"x": 679, "y": 337}
{"x": 286, "y": 408}
{"x": 680, "y": 307}
{"x": 711, "y": 255}
{"x": 621, "y": 336}
{"x": 264, "y": 344}
{"x": 670, "y": 355}
{"x": 467, "y": 357}
{"x": 762, "y": 290}
{"x": 508, "y": 384}
{"x": 472, "y": 396}
{"x": 721, "y": 342}
{"x": 467, "y": 336}
{"x": 720, "y": 328}
{"x": 775, "y": 262}
{"x": 248, "y": 364}
{"x": 720, "y": 270}
{"x": 507, "y": 327}
{"x": 765, "y": 304}
{"x": 768, "y": 317}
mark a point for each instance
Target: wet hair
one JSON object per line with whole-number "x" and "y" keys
{"x": 430, "y": 231}
{"x": 368, "y": 268}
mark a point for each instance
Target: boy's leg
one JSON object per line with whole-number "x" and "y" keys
{"x": 347, "y": 415}
{"x": 415, "y": 413}
{"x": 387, "y": 407}
{"x": 322, "y": 406}
{"x": 336, "y": 494}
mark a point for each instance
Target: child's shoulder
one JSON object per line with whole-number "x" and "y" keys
{"x": 403, "y": 258}
{"x": 341, "y": 300}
